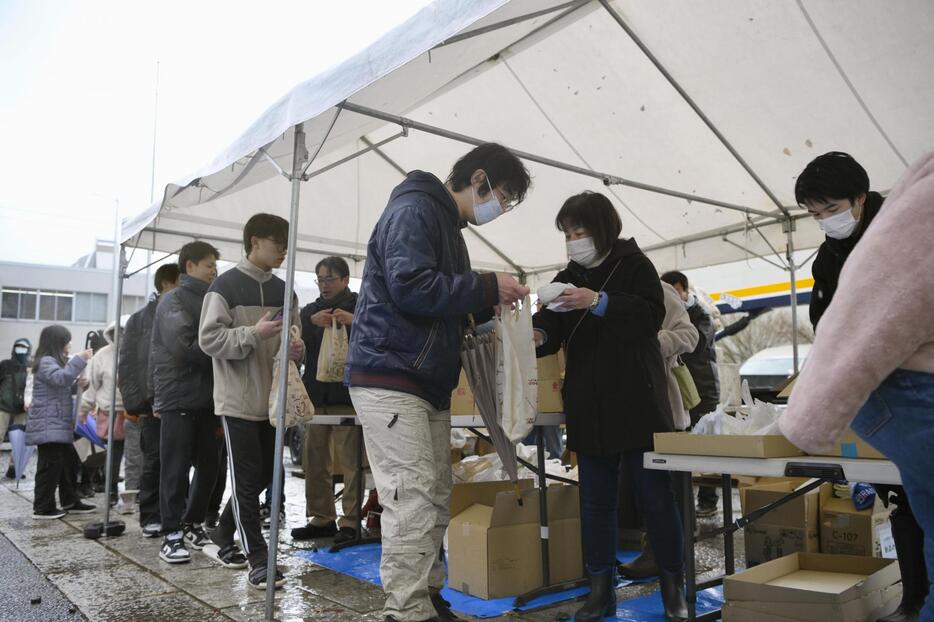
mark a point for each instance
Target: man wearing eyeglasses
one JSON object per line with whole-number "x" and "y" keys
{"x": 334, "y": 307}
{"x": 404, "y": 358}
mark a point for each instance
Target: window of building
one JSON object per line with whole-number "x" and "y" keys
{"x": 18, "y": 304}
{"x": 90, "y": 307}
{"x": 131, "y": 304}
{"x": 56, "y": 306}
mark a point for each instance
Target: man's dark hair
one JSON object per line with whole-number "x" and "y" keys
{"x": 335, "y": 265}
{"x": 52, "y": 342}
{"x": 501, "y": 166}
{"x": 594, "y": 212}
{"x": 195, "y": 252}
{"x": 832, "y": 176}
{"x": 674, "y": 277}
{"x": 268, "y": 226}
{"x": 165, "y": 274}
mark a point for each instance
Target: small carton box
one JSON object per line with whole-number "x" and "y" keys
{"x": 764, "y": 446}
{"x": 852, "y": 446}
{"x": 791, "y": 528}
{"x": 494, "y": 542}
{"x": 870, "y": 607}
{"x": 811, "y": 579}
{"x": 550, "y": 381}
{"x": 844, "y": 530}
{"x": 462, "y": 400}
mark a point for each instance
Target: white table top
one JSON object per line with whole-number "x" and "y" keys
{"x": 457, "y": 421}
{"x": 856, "y": 470}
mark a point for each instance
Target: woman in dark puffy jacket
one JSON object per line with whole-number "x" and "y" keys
{"x": 50, "y": 423}
{"x": 615, "y": 393}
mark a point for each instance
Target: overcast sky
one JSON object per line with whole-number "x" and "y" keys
{"x": 77, "y": 85}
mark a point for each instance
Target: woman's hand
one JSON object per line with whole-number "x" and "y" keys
{"x": 576, "y": 298}
{"x": 538, "y": 337}
{"x": 86, "y": 354}
{"x": 296, "y": 349}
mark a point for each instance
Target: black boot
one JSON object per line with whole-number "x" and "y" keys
{"x": 909, "y": 544}
{"x": 676, "y": 605}
{"x": 602, "y": 599}
{"x": 643, "y": 566}
{"x": 442, "y": 607}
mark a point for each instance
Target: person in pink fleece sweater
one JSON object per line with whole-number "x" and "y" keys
{"x": 872, "y": 364}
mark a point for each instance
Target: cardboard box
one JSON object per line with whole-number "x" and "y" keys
{"x": 870, "y": 607}
{"x": 494, "y": 543}
{"x": 845, "y": 530}
{"x": 771, "y": 446}
{"x": 852, "y": 446}
{"x": 550, "y": 381}
{"x": 807, "y": 580}
{"x": 791, "y": 528}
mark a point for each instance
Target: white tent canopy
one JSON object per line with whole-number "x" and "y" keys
{"x": 721, "y": 101}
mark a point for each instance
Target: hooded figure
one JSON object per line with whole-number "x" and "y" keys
{"x": 13, "y": 372}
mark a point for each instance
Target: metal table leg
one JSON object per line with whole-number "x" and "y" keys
{"x": 728, "y": 553}
{"x": 690, "y": 565}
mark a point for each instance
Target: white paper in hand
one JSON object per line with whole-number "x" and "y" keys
{"x": 547, "y": 293}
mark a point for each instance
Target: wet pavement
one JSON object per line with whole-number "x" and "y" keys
{"x": 122, "y": 578}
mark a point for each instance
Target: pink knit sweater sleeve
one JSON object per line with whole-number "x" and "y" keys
{"x": 880, "y": 317}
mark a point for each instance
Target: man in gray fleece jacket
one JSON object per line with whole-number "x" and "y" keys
{"x": 240, "y": 332}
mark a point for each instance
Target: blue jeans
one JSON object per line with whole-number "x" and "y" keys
{"x": 599, "y": 492}
{"x": 898, "y": 420}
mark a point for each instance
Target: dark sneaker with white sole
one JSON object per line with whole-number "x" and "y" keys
{"x": 442, "y": 606}
{"x": 79, "y": 507}
{"x": 49, "y": 514}
{"x": 173, "y": 549}
{"x": 257, "y": 578}
{"x": 195, "y": 537}
{"x": 229, "y": 556}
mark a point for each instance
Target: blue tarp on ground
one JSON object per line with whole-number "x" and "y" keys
{"x": 362, "y": 562}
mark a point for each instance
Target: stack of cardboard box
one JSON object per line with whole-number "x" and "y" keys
{"x": 550, "y": 380}
{"x": 813, "y": 587}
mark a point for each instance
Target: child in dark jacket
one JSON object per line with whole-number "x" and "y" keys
{"x": 50, "y": 423}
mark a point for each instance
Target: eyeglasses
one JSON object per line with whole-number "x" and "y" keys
{"x": 507, "y": 203}
{"x": 327, "y": 280}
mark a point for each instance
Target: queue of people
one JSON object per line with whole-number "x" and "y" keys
{"x": 196, "y": 368}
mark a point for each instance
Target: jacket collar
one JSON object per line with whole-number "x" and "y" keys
{"x": 192, "y": 284}
{"x": 249, "y": 268}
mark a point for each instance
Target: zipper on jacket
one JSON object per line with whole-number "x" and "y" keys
{"x": 425, "y": 350}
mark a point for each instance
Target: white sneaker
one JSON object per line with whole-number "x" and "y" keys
{"x": 152, "y": 530}
{"x": 173, "y": 549}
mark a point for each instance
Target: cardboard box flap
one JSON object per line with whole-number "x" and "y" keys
{"x": 774, "y": 581}
{"x": 465, "y": 495}
{"x": 507, "y": 510}
{"x": 563, "y": 502}
{"x": 477, "y": 516}
{"x": 872, "y": 606}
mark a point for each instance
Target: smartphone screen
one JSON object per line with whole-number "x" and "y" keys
{"x": 277, "y": 316}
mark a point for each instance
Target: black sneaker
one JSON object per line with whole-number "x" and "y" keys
{"x": 229, "y": 557}
{"x": 310, "y": 532}
{"x": 152, "y": 530}
{"x": 79, "y": 507}
{"x": 173, "y": 549}
{"x": 442, "y": 607}
{"x": 210, "y": 521}
{"x": 49, "y": 514}
{"x": 257, "y": 578}
{"x": 267, "y": 519}
{"x": 86, "y": 491}
{"x": 195, "y": 537}
{"x": 345, "y": 534}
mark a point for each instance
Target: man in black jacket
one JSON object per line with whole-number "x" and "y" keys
{"x": 183, "y": 384}
{"x": 702, "y": 363}
{"x": 335, "y": 305}
{"x": 13, "y": 372}
{"x": 135, "y": 383}
{"x": 404, "y": 357}
{"x": 834, "y": 188}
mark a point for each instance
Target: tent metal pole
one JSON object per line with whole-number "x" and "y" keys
{"x": 370, "y": 147}
{"x": 766, "y": 240}
{"x": 754, "y": 254}
{"x": 792, "y": 272}
{"x": 606, "y": 178}
{"x": 690, "y": 102}
{"x": 470, "y": 34}
{"x": 716, "y": 233}
{"x": 807, "y": 259}
{"x": 300, "y": 154}
{"x": 519, "y": 270}
{"x": 119, "y": 269}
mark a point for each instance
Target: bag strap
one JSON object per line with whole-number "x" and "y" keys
{"x": 586, "y": 312}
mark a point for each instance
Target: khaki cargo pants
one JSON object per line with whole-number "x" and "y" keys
{"x": 319, "y": 473}
{"x": 408, "y": 443}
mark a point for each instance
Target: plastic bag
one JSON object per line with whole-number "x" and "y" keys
{"x": 102, "y": 421}
{"x": 516, "y": 371}
{"x": 298, "y": 406}
{"x": 689, "y": 395}
{"x": 333, "y": 354}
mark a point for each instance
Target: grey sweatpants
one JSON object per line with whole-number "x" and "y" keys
{"x": 132, "y": 455}
{"x": 408, "y": 442}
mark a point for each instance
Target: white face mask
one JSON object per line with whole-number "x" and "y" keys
{"x": 489, "y": 210}
{"x": 691, "y": 301}
{"x": 583, "y": 252}
{"x": 839, "y": 226}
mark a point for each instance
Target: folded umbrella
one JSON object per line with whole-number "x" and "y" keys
{"x": 21, "y": 452}
{"x": 88, "y": 430}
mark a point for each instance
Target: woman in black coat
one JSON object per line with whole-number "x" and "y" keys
{"x": 615, "y": 393}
